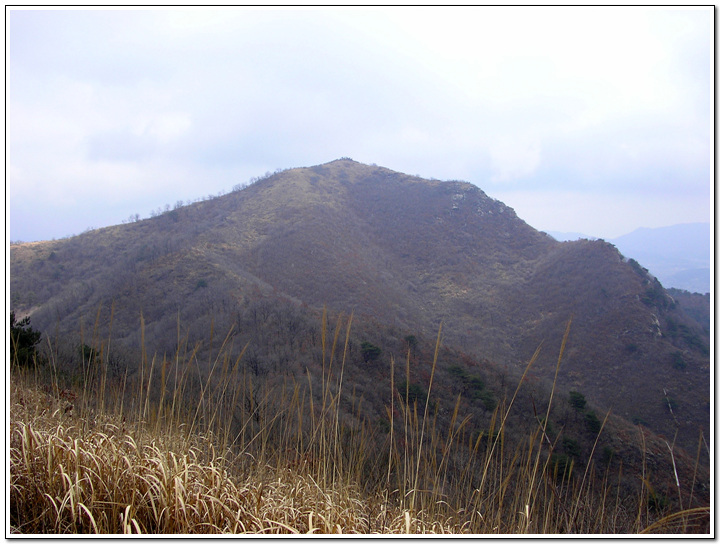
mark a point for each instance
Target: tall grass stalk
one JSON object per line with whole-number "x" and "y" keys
{"x": 218, "y": 450}
{"x": 498, "y": 437}
{"x": 424, "y": 420}
{"x": 533, "y": 474}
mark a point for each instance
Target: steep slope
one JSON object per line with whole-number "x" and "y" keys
{"x": 694, "y": 305}
{"x": 632, "y": 349}
{"x": 406, "y": 252}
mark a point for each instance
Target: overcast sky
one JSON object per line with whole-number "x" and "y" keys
{"x": 594, "y": 120}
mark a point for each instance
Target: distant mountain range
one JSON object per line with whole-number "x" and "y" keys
{"x": 404, "y": 254}
{"x": 678, "y": 255}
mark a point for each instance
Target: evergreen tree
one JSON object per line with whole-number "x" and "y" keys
{"x": 23, "y": 341}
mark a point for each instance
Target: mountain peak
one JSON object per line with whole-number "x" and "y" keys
{"x": 396, "y": 249}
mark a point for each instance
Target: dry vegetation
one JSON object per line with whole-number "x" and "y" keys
{"x": 284, "y": 426}
{"x": 411, "y": 253}
{"x": 161, "y": 452}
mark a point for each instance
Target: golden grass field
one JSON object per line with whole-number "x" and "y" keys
{"x": 134, "y": 457}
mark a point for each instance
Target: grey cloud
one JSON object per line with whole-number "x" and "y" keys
{"x": 275, "y": 89}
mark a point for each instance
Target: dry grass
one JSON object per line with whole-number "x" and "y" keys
{"x": 143, "y": 458}
{"x": 68, "y": 478}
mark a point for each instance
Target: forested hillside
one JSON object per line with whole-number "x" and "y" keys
{"x": 249, "y": 273}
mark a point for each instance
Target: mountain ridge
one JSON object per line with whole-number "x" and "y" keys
{"x": 407, "y": 252}
{"x": 678, "y": 255}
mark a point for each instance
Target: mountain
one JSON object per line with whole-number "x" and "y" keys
{"x": 405, "y": 255}
{"x": 678, "y": 255}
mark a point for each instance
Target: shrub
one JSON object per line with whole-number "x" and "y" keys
{"x": 593, "y": 423}
{"x": 655, "y": 295}
{"x": 678, "y": 362}
{"x": 548, "y": 425}
{"x": 607, "y": 454}
{"x": 488, "y": 399}
{"x": 201, "y": 284}
{"x": 475, "y": 383}
{"x": 571, "y": 447}
{"x": 561, "y": 466}
{"x": 577, "y": 401}
{"x": 370, "y": 352}
{"x": 412, "y": 392}
{"x": 639, "y": 270}
{"x": 86, "y": 352}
